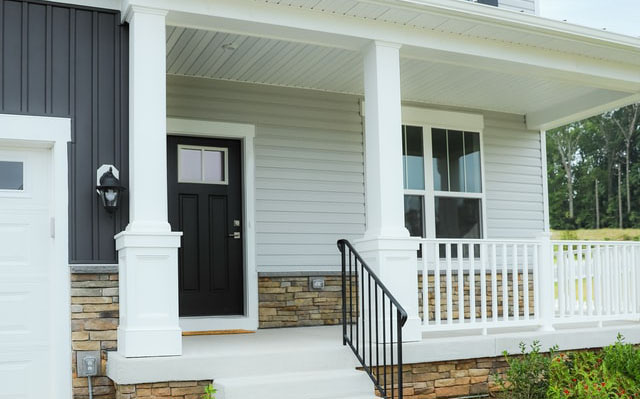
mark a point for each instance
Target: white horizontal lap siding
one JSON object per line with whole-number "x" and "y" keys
{"x": 527, "y": 6}
{"x": 309, "y": 165}
{"x": 513, "y": 176}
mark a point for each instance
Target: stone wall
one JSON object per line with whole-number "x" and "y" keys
{"x": 94, "y": 320}
{"x": 289, "y": 302}
{"x": 478, "y": 296}
{"x": 172, "y": 389}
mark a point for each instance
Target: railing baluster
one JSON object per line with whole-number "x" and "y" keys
{"x": 598, "y": 280}
{"x": 391, "y": 345}
{"x": 370, "y": 335}
{"x": 377, "y": 337}
{"x": 516, "y": 294}
{"x": 425, "y": 286}
{"x": 483, "y": 283}
{"x": 494, "y": 283}
{"x": 472, "y": 284}
{"x": 505, "y": 284}
{"x": 624, "y": 265}
{"x": 449, "y": 285}
{"x": 384, "y": 343}
{"x": 616, "y": 280}
{"x": 589, "y": 277}
{"x": 609, "y": 286}
{"x": 460, "y": 283}
{"x": 580, "y": 271}
{"x": 525, "y": 281}
{"x": 536, "y": 280}
{"x": 436, "y": 283}
{"x": 561, "y": 280}
{"x": 572, "y": 281}
{"x": 634, "y": 278}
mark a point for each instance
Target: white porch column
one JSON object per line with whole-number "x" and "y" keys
{"x": 147, "y": 249}
{"x": 386, "y": 245}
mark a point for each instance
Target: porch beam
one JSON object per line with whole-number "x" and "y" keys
{"x": 301, "y": 25}
{"x": 587, "y": 106}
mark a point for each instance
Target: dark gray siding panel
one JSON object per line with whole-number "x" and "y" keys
{"x": 72, "y": 61}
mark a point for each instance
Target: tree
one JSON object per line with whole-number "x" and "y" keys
{"x": 565, "y": 139}
{"x": 627, "y": 120}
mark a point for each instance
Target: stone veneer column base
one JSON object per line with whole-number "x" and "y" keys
{"x": 172, "y": 389}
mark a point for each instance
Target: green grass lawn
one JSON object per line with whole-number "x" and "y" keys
{"x": 597, "y": 235}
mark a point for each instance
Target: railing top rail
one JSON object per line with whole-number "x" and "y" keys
{"x": 342, "y": 243}
{"x": 588, "y": 242}
{"x": 478, "y": 241}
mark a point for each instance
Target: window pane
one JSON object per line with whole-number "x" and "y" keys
{"x": 456, "y": 160}
{"x": 213, "y": 166}
{"x": 472, "y": 162}
{"x": 413, "y": 158}
{"x": 458, "y": 217}
{"x": 413, "y": 215}
{"x": 190, "y": 165}
{"x": 440, "y": 169}
{"x": 11, "y": 175}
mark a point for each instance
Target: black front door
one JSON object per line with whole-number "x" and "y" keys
{"x": 205, "y": 203}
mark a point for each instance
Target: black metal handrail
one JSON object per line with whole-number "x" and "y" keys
{"x": 362, "y": 322}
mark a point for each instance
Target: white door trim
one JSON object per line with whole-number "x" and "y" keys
{"x": 246, "y": 133}
{"x": 54, "y": 133}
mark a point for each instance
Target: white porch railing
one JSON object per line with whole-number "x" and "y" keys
{"x": 596, "y": 280}
{"x": 480, "y": 284}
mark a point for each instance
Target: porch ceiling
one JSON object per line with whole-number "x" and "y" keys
{"x": 262, "y": 60}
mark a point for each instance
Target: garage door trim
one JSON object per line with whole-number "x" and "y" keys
{"x": 54, "y": 133}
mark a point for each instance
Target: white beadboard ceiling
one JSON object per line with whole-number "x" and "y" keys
{"x": 201, "y": 53}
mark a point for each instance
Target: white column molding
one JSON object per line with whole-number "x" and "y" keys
{"x": 386, "y": 245}
{"x": 148, "y": 249}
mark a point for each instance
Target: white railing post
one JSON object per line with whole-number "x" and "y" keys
{"x": 546, "y": 288}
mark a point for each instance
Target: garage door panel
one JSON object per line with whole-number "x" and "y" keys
{"x": 26, "y": 242}
{"x": 25, "y": 312}
{"x": 21, "y": 374}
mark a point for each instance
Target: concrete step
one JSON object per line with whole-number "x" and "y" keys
{"x": 340, "y": 383}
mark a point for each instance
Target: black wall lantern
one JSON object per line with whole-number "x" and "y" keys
{"x": 109, "y": 188}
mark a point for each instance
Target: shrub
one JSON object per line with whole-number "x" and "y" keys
{"x": 209, "y": 392}
{"x": 527, "y": 376}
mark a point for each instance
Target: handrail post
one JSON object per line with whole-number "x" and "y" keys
{"x": 344, "y": 291}
{"x": 546, "y": 281}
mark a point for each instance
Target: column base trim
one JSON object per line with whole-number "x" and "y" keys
{"x": 149, "y": 342}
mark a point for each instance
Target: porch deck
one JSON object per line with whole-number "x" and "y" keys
{"x": 306, "y": 350}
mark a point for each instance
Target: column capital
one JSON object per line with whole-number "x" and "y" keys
{"x": 129, "y": 10}
{"x": 382, "y": 43}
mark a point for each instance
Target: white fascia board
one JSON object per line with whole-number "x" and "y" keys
{"x": 575, "y": 110}
{"x": 297, "y": 24}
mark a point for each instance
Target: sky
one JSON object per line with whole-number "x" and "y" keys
{"x": 620, "y": 16}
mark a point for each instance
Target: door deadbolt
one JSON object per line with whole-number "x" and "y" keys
{"x": 235, "y": 235}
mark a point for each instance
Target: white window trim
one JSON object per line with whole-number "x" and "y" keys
{"x": 429, "y": 119}
{"x": 245, "y": 133}
{"x": 202, "y": 149}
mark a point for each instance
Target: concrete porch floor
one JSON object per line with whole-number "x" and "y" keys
{"x": 273, "y": 351}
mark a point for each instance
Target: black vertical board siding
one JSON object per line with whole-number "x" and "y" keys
{"x": 72, "y": 61}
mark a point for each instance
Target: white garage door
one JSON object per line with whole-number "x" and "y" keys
{"x": 25, "y": 273}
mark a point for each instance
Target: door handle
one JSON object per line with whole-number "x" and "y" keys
{"x": 235, "y": 235}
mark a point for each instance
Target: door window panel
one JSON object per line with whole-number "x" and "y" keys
{"x": 11, "y": 175}
{"x": 204, "y": 165}
{"x": 213, "y": 166}
{"x": 190, "y": 168}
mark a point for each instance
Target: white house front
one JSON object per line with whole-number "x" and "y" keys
{"x": 248, "y": 138}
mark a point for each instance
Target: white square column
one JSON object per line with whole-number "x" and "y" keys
{"x": 386, "y": 245}
{"x": 148, "y": 249}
